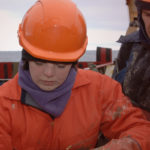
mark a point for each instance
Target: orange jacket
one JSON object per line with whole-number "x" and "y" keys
{"x": 96, "y": 104}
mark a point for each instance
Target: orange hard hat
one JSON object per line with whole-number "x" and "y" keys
{"x": 54, "y": 30}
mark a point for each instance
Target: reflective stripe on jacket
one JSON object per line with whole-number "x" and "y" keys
{"x": 96, "y": 104}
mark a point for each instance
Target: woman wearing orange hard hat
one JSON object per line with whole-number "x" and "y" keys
{"x": 52, "y": 32}
{"x": 51, "y": 104}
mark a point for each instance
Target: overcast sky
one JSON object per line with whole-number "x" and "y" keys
{"x": 106, "y": 21}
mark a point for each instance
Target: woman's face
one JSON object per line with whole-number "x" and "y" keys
{"x": 146, "y": 19}
{"x": 48, "y": 76}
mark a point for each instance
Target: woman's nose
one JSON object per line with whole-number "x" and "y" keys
{"x": 49, "y": 69}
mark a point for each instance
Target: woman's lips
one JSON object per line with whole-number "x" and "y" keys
{"x": 51, "y": 83}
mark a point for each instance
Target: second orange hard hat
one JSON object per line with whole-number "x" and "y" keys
{"x": 54, "y": 30}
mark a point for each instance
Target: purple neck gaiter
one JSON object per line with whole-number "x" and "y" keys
{"x": 52, "y": 102}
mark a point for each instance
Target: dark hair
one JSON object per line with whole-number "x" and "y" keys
{"x": 26, "y": 57}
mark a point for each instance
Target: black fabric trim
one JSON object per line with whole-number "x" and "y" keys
{"x": 23, "y": 94}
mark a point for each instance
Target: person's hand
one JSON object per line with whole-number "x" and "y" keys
{"x": 120, "y": 144}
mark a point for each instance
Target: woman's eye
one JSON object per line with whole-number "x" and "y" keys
{"x": 38, "y": 63}
{"x": 61, "y": 65}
